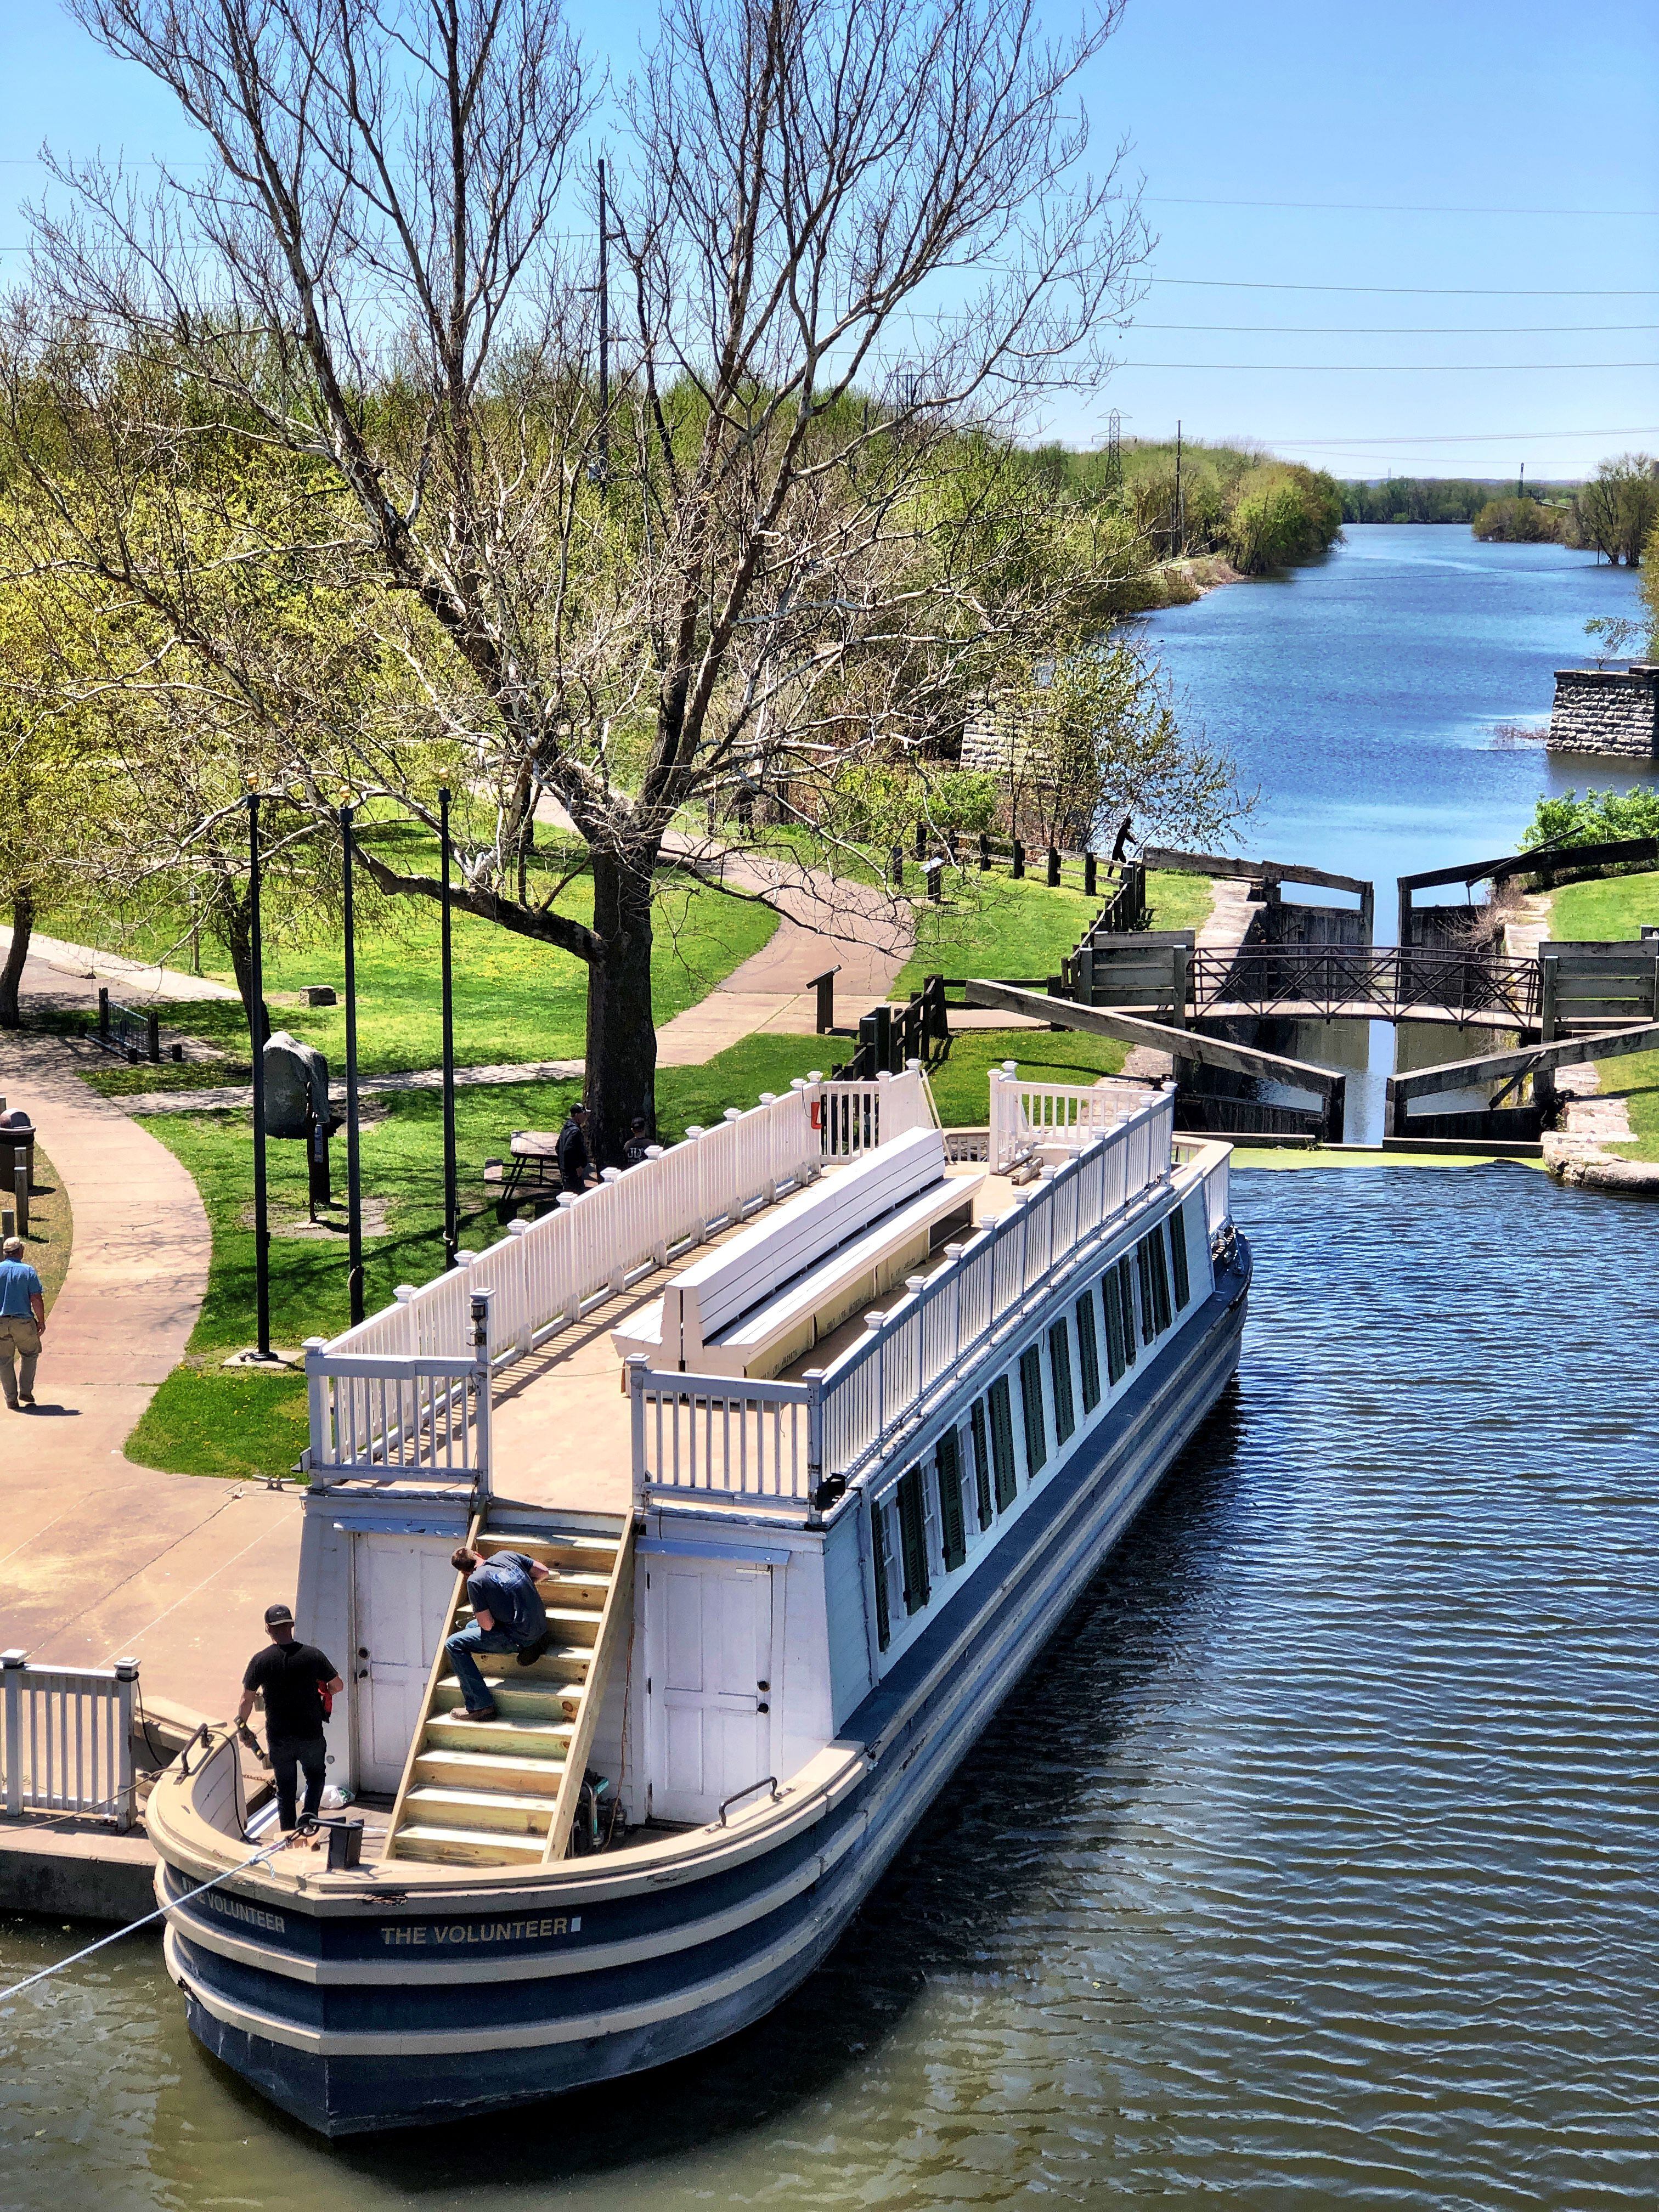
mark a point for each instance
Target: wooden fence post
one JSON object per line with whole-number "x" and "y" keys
{"x": 922, "y": 841}
{"x": 1054, "y": 867}
{"x": 1018, "y": 868}
{"x": 898, "y": 867}
{"x": 153, "y": 1038}
{"x": 1548, "y": 967}
{"x": 984, "y": 854}
{"x": 103, "y": 1014}
{"x": 1090, "y": 875}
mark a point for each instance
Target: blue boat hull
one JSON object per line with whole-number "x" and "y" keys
{"x": 540, "y": 2023}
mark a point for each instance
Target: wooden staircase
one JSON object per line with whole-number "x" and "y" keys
{"x": 504, "y": 1792}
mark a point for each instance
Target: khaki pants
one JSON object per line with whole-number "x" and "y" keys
{"x": 18, "y": 1337}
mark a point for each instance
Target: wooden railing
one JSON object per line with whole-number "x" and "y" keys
{"x": 1329, "y": 981}
{"x": 66, "y": 1739}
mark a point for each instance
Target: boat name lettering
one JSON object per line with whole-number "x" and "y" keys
{"x": 485, "y": 1931}
{"x": 253, "y": 1913}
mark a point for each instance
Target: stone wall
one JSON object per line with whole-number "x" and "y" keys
{"x": 1607, "y": 710}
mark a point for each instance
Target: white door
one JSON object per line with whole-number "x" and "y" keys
{"x": 401, "y": 1590}
{"x": 713, "y": 1693}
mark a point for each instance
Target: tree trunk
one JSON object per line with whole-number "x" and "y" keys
{"x": 236, "y": 928}
{"x": 11, "y": 975}
{"x": 622, "y": 1038}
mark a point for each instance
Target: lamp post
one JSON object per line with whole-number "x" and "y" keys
{"x": 257, "y": 1030}
{"x": 354, "y": 1166}
{"x": 451, "y": 1236}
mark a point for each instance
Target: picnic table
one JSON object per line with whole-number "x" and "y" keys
{"x": 531, "y": 1171}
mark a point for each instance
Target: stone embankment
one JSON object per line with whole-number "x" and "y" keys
{"x": 1610, "y": 712}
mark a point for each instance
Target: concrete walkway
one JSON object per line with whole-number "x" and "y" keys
{"x": 55, "y": 968}
{"x": 100, "y": 1557}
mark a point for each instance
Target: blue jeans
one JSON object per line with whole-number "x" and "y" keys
{"x": 461, "y": 1646}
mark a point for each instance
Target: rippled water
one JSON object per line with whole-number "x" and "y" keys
{"x": 1313, "y": 1863}
{"x": 1360, "y": 694}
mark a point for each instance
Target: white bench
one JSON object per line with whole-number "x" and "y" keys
{"x": 756, "y": 1304}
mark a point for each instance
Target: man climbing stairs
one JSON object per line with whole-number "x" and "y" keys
{"x": 503, "y": 1792}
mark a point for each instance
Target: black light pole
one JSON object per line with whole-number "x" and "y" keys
{"x": 354, "y": 1174}
{"x": 451, "y": 1236}
{"x": 257, "y": 1030}
{"x": 604, "y": 336}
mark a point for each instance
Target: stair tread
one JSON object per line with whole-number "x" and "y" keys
{"x": 547, "y": 1731}
{"x": 475, "y": 1839}
{"x": 507, "y": 1764}
{"x": 434, "y": 1795}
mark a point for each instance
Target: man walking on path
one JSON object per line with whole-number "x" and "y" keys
{"x": 294, "y": 1678}
{"x": 575, "y": 1161}
{"x": 507, "y": 1615}
{"x": 22, "y": 1323}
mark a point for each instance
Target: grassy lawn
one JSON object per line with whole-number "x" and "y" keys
{"x": 208, "y": 1419}
{"x": 49, "y": 1226}
{"x": 515, "y": 999}
{"x": 1616, "y": 907}
{"x": 1635, "y": 1078}
{"x": 993, "y": 926}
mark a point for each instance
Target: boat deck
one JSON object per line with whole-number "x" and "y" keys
{"x": 561, "y": 1423}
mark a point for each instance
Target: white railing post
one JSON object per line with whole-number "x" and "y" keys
{"x": 813, "y": 1379}
{"x": 317, "y": 1408}
{"x": 126, "y": 1682}
{"x": 638, "y": 1368}
{"x": 12, "y": 1663}
{"x": 480, "y": 1320}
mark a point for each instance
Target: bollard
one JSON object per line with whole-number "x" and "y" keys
{"x": 922, "y": 841}
{"x": 153, "y": 1037}
{"x": 1089, "y": 876}
{"x": 984, "y": 853}
{"x": 20, "y": 1193}
{"x": 103, "y": 1014}
{"x": 1018, "y": 868}
{"x": 898, "y": 867}
{"x": 935, "y": 872}
{"x": 1054, "y": 868}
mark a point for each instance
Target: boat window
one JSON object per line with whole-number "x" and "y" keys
{"x": 878, "y": 1563}
{"x": 913, "y": 1540}
{"x": 981, "y": 1463}
{"x": 1030, "y": 1393}
{"x": 1126, "y": 1290}
{"x": 1060, "y": 1369}
{"x": 1088, "y": 1346}
{"x": 1183, "y": 1283}
{"x": 1002, "y": 1443}
{"x": 952, "y": 1526}
{"x": 1120, "y": 1345}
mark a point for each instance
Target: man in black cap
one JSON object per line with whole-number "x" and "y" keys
{"x": 575, "y": 1161}
{"x": 295, "y": 1678}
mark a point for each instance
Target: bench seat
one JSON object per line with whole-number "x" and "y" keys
{"x": 797, "y": 1265}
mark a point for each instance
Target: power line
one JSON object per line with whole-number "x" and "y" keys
{"x": 1374, "y": 207}
{"x": 1467, "y": 437}
{"x": 1389, "y": 367}
{"x": 1398, "y": 291}
{"x": 1403, "y": 330}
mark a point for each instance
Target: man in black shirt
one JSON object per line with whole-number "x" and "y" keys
{"x": 294, "y": 1678}
{"x": 575, "y": 1161}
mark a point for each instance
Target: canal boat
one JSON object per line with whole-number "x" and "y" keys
{"x": 824, "y": 1417}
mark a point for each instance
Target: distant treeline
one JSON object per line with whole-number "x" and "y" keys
{"x": 1615, "y": 514}
{"x": 1242, "y": 504}
{"x": 1423, "y": 499}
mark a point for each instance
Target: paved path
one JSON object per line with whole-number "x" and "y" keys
{"x": 100, "y": 1557}
{"x": 240, "y": 1096}
{"x": 57, "y": 969}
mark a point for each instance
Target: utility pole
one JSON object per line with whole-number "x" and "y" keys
{"x": 1180, "y": 509}
{"x": 1114, "y": 451}
{"x": 604, "y": 335}
{"x": 1521, "y": 487}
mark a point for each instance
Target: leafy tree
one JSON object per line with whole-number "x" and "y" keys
{"x": 1521, "y": 522}
{"x": 768, "y": 550}
{"x": 1617, "y": 510}
{"x": 1599, "y": 818}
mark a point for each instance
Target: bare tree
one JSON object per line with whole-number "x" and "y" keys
{"x": 858, "y": 246}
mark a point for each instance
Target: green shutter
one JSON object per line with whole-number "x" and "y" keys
{"x": 1125, "y": 1292}
{"x": 913, "y": 1540}
{"x": 1060, "y": 1369}
{"x": 1157, "y": 1253}
{"x": 1183, "y": 1282}
{"x": 1116, "y": 1358}
{"x": 1002, "y": 1443}
{"x": 878, "y": 1562}
{"x": 952, "y": 1534}
{"x": 1148, "y": 1310}
{"x": 1030, "y": 1393}
{"x": 982, "y": 1464}
{"x": 1088, "y": 1344}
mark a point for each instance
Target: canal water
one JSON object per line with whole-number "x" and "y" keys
{"x": 1313, "y": 1863}
{"x": 1370, "y": 702}
{"x": 1362, "y": 695}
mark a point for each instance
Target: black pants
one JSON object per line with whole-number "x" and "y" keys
{"x": 288, "y": 1753}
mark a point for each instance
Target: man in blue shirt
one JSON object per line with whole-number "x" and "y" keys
{"x": 22, "y": 1323}
{"x": 507, "y": 1615}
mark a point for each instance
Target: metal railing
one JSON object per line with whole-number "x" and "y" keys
{"x": 66, "y": 1739}
{"x": 1328, "y": 981}
{"x": 760, "y": 1443}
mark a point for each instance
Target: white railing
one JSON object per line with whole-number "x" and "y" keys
{"x": 397, "y": 1395}
{"x": 66, "y": 1738}
{"x": 856, "y": 1117}
{"x": 1025, "y": 1116}
{"x": 694, "y": 1433}
{"x": 753, "y": 1442}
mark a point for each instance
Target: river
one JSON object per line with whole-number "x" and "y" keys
{"x": 1314, "y": 1862}
{"x": 1361, "y": 694}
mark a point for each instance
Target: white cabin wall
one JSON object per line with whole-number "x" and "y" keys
{"x": 322, "y": 1616}
{"x": 847, "y": 1630}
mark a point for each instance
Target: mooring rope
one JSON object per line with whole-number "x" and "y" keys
{"x": 305, "y": 1828}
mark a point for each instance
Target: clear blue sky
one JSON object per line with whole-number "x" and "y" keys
{"x": 1363, "y": 112}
